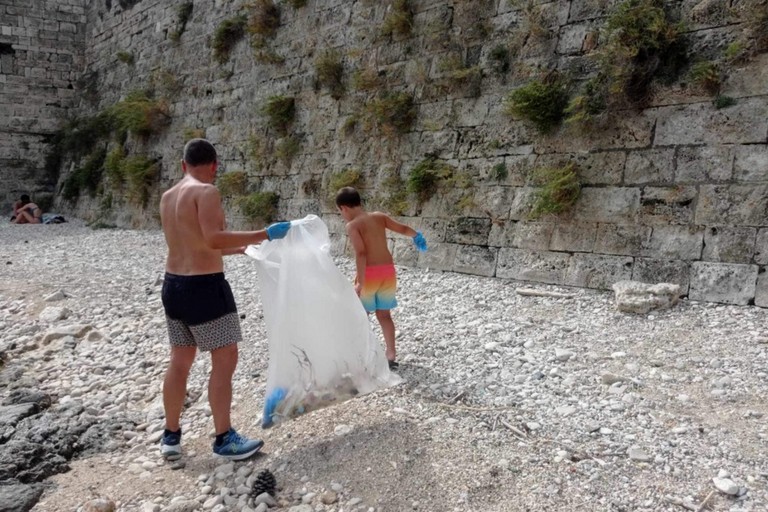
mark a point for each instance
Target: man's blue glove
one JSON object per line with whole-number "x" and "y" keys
{"x": 278, "y": 230}
{"x": 420, "y": 242}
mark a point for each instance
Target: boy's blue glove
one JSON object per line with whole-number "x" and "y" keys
{"x": 420, "y": 242}
{"x": 278, "y": 230}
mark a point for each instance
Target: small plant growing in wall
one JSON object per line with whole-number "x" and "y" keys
{"x": 541, "y": 102}
{"x": 330, "y": 72}
{"x": 706, "y": 76}
{"x": 393, "y": 112}
{"x": 86, "y": 177}
{"x": 297, "y": 4}
{"x": 499, "y": 58}
{"x": 193, "y": 133}
{"x": 455, "y": 70}
{"x": 259, "y": 206}
{"x": 232, "y": 183}
{"x": 287, "y": 148}
{"x": 425, "y": 178}
{"x": 723, "y": 101}
{"x": 499, "y": 172}
{"x": 365, "y": 79}
{"x": 264, "y": 19}
{"x": 125, "y": 57}
{"x": 227, "y": 35}
{"x": 140, "y": 174}
{"x": 113, "y": 165}
{"x": 399, "y": 19}
{"x": 139, "y": 114}
{"x": 344, "y": 178}
{"x": 183, "y": 15}
{"x": 559, "y": 190}
{"x": 280, "y": 112}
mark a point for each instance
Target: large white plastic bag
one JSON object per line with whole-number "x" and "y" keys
{"x": 321, "y": 347}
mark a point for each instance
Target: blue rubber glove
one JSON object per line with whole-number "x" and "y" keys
{"x": 273, "y": 400}
{"x": 278, "y": 230}
{"x": 420, "y": 242}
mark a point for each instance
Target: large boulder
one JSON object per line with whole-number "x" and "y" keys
{"x": 637, "y": 297}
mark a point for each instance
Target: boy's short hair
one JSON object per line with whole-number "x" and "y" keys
{"x": 348, "y": 196}
{"x": 199, "y": 152}
{"x": 24, "y": 198}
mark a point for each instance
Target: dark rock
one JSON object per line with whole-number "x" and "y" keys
{"x": 12, "y": 414}
{"x": 19, "y": 498}
{"x": 28, "y": 396}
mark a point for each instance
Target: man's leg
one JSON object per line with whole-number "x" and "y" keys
{"x": 388, "y": 329}
{"x": 224, "y": 361}
{"x": 22, "y": 218}
{"x": 175, "y": 384}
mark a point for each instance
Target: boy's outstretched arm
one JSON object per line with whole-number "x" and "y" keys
{"x": 360, "y": 256}
{"x": 416, "y": 236}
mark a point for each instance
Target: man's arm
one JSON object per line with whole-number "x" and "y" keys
{"x": 234, "y": 250}
{"x": 397, "y": 227}
{"x": 211, "y": 218}
{"x": 360, "y": 256}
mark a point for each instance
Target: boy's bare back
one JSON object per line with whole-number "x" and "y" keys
{"x": 183, "y": 209}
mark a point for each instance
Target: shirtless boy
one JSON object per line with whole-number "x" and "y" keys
{"x": 376, "y": 281}
{"x": 199, "y": 306}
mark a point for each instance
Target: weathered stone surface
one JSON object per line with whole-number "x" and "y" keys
{"x": 745, "y": 122}
{"x": 650, "y": 166}
{"x": 704, "y": 164}
{"x": 522, "y": 203}
{"x": 667, "y": 205}
{"x": 439, "y": 256}
{"x": 675, "y": 242}
{"x": 729, "y": 283}
{"x": 589, "y": 9}
{"x": 761, "y": 247}
{"x": 751, "y": 163}
{"x": 538, "y": 266}
{"x": 622, "y": 239}
{"x": 748, "y": 80}
{"x": 473, "y": 259}
{"x": 573, "y": 237}
{"x": 729, "y": 245}
{"x": 601, "y": 168}
{"x": 493, "y": 202}
{"x": 761, "y": 289}
{"x": 75, "y": 330}
{"x": 532, "y": 235}
{"x": 626, "y": 132}
{"x": 12, "y": 414}
{"x": 571, "y": 40}
{"x": 597, "y": 271}
{"x": 19, "y": 497}
{"x": 609, "y": 204}
{"x": 647, "y": 270}
{"x": 469, "y": 230}
{"x": 54, "y": 313}
{"x": 735, "y": 205}
{"x": 637, "y": 297}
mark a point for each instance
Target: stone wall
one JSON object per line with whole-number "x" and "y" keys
{"x": 676, "y": 192}
{"x": 41, "y": 50}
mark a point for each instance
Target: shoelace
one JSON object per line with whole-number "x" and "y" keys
{"x": 236, "y": 438}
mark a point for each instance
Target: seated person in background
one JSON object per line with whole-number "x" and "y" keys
{"x": 25, "y": 211}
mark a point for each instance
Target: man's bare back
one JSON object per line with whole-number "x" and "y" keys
{"x": 181, "y": 211}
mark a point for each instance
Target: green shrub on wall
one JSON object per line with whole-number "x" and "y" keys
{"x": 259, "y": 206}
{"x": 426, "y": 177}
{"x": 287, "y": 148}
{"x": 344, "y": 178}
{"x": 559, "y": 190}
{"x": 330, "y": 71}
{"x": 280, "y": 112}
{"x": 139, "y": 114}
{"x": 140, "y": 174}
{"x": 227, "y": 35}
{"x": 706, "y": 76}
{"x": 264, "y": 19}
{"x": 183, "y": 15}
{"x": 399, "y": 19}
{"x": 86, "y": 178}
{"x": 393, "y": 112}
{"x": 232, "y": 183}
{"x": 541, "y": 102}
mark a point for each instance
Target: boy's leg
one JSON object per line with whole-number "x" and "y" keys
{"x": 175, "y": 384}
{"x": 388, "y": 329}
{"x": 224, "y": 362}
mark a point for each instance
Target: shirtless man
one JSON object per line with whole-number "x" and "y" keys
{"x": 376, "y": 281}
{"x": 199, "y": 306}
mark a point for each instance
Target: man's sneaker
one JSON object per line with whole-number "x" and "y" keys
{"x": 236, "y": 447}
{"x": 170, "y": 445}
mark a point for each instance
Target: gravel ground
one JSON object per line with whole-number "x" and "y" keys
{"x": 510, "y": 403}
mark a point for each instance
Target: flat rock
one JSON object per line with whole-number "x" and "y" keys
{"x": 54, "y": 314}
{"x": 638, "y": 454}
{"x": 18, "y": 497}
{"x": 100, "y": 505}
{"x": 75, "y": 330}
{"x": 637, "y": 297}
{"x": 56, "y": 296}
{"x": 726, "y": 486}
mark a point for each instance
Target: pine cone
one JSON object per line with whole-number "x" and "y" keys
{"x": 265, "y": 482}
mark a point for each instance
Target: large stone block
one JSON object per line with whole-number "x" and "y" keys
{"x": 573, "y": 237}
{"x": 701, "y": 14}
{"x": 439, "y": 256}
{"x": 597, "y": 271}
{"x": 469, "y": 230}
{"x": 493, "y": 202}
{"x": 636, "y": 297}
{"x": 405, "y": 253}
{"x": 477, "y": 260}
{"x": 625, "y": 132}
{"x": 761, "y": 289}
{"x": 761, "y": 247}
{"x": 729, "y": 283}
{"x": 571, "y": 38}
{"x": 735, "y": 205}
{"x": 751, "y": 163}
{"x": 704, "y": 164}
{"x": 470, "y": 111}
{"x": 590, "y": 9}
{"x": 538, "y": 266}
{"x": 533, "y": 235}
{"x": 602, "y": 168}
{"x": 749, "y": 80}
{"x": 648, "y": 270}
{"x": 522, "y": 203}
{"x": 675, "y": 242}
{"x": 608, "y": 204}
{"x": 746, "y": 122}
{"x": 651, "y": 166}
{"x": 667, "y": 205}
{"x": 502, "y": 233}
{"x": 729, "y": 244}
{"x": 621, "y": 239}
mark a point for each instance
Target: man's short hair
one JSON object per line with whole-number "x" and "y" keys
{"x": 199, "y": 152}
{"x": 24, "y": 198}
{"x": 348, "y": 196}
